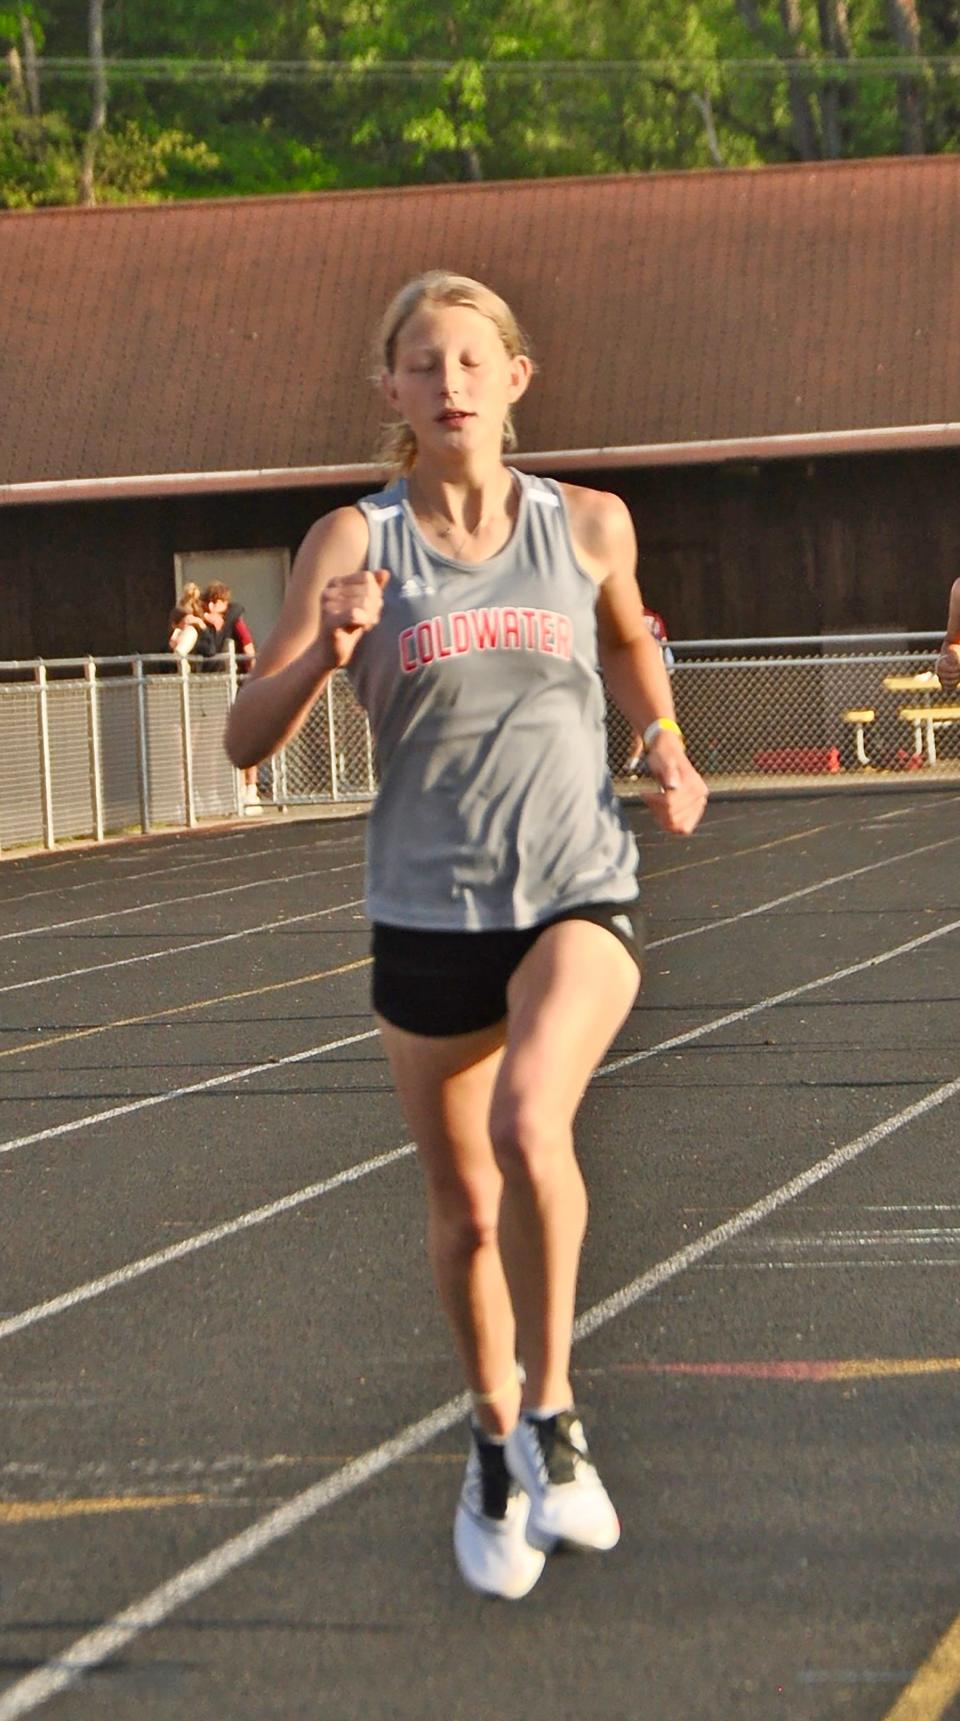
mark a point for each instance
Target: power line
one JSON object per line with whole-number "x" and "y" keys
{"x": 174, "y": 70}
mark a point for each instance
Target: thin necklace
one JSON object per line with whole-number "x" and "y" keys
{"x": 445, "y": 528}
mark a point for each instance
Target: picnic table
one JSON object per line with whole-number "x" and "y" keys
{"x": 927, "y": 717}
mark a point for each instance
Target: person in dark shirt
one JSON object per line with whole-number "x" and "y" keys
{"x": 226, "y": 621}
{"x": 188, "y": 633}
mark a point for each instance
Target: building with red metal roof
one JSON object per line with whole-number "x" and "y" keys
{"x": 765, "y": 362}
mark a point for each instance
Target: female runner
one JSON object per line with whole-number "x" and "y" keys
{"x": 467, "y": 603}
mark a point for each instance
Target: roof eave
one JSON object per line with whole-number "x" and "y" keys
{"x": 799, "y": 445}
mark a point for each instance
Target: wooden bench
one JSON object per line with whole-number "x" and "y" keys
{"x": 929, "y": 718}
{"x": 858, "y": 719}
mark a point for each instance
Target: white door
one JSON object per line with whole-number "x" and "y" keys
{"x": 257, "y": 580}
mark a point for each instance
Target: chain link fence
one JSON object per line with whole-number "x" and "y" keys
{"x": 98, "y": 746}
{"x": 847, "y": 708}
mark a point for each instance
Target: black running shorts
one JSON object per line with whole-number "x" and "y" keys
{"x": 438, "y": 983}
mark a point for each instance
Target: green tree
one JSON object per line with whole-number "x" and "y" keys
{"x": 38, "y": 157}
{"x": 213, "y": 97}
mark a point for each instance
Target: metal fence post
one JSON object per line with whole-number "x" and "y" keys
{"x": 332, "y": 744}
{"x": 43, "y": 729}
{"x": 278, "y": 779}
{"x": 233, "y": 687}
{"x": 93, "y": 747}
{"x": 186, "y": 743}
{"x": 368, "y": 739}
{"x": 770, "y": 713}
{"x": 143, "y": 787}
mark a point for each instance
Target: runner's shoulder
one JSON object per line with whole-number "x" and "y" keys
{"x": 599, "y": 519}
{"x": 337, "y": 543}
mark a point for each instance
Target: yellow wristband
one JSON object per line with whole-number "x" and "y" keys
{"x": 653, "y": 729}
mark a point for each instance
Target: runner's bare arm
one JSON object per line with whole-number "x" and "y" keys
{"x": 630, "y": 657}
{"x": 331, "y": 601}
{"x": 948, "y": 663}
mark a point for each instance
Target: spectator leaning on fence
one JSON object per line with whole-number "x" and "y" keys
{"x": 189, "y": 634}
{"x": 948, "y": 663}
{"x": 225, "y": 621}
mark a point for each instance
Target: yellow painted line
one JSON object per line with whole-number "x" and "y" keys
{"x": 97, "y": 1505}
{"x": 934, "y": 1686}
{"x": 798, "y": 1370}
{"x": 38, "y": 1045}
{"x": 883, "y": 1368}
{"x": 39, "y": 1511}
{"x": 734, "y": 854}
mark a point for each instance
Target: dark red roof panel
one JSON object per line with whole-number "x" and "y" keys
{"x": 662, "y": 309}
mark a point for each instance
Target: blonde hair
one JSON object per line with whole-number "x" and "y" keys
{"x": 398, "y": 445}
{"x": 188, "y": 603}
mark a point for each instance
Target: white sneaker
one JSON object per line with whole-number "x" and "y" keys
{"x": 489, "y": 1531}
{"x": 251, "y": 800}
{"x": 568, "y": 1502}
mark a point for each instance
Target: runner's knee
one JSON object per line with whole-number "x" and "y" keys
{"x": 464, "y": 1214}
{"x": 528, "y": 1138}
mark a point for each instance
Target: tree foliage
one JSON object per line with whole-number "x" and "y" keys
{"x": 220, "y": 97}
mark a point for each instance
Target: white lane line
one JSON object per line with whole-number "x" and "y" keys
{"x": 98, "y": 1646}
{"x": 134, "y": 1269}
{"x": 910, "y": 1207}
{"x": 911, "y": 811}
{"x": 178, "y": 949}
{"x": 203, "y": 1239}
{"x": 734, "y": 1016}
{"x": 899, "y": 813}
{"x": 167, "y": 902}
{"x": 92, "y": 1650}
{"x": 729, "y": 1019}
{"x": 278, "y": 852}
{"x": 806, "y": 890}
{"x": 182, "y": 1093}
{"x": 642, "y": 1286}
{"x": 854, "y": 1265}
{"x": 655, "y": 944}
{"x": 890, "y": 1236}
{"x": 257, "y": 884}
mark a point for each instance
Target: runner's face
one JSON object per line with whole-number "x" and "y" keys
{"x": 453, "y": 380}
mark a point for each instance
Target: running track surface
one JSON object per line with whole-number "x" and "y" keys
{"x": 233, "y": 1432}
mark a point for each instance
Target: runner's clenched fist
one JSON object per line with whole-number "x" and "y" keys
{"x": 350, "y": 606}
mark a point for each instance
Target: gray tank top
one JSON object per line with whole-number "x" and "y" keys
{"x": 495, "y": 806}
